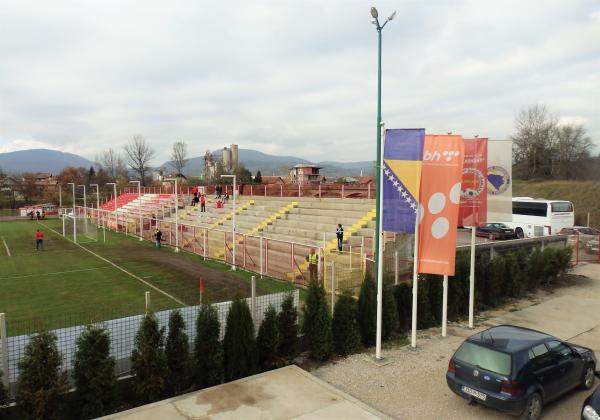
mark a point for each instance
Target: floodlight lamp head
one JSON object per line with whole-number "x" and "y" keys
{"x": 374, "y": 13}
{"x": 392, "y": 16}
{"x": 374, "y": 21}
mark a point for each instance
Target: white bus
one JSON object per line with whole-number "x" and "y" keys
{"x": 537, "y": 217}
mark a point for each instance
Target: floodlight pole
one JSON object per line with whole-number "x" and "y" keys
{"x": 233, "y": 218}
{"x": 139, "y": 205}
{"x": 59, "y": 196}
{"x": 97, "y": 198}
{"x": 176, "y": 214}
{"x": 379, "y": 192}
{"x": 74, "y": 218}
{"x": 114, "y": 184}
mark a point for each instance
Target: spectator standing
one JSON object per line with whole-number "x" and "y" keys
{"x": 340, "y": 236}
{"x": 37, "y": 214}
{"x": 202, "y": 203}
{"x": 39, "y": 240}
{"x": 158, "y": 237}
{"x": 313, "y": 262}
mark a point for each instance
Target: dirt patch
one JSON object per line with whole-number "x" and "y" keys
{"x": 220, "y": 285}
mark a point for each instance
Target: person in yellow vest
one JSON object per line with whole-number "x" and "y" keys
{"x": 313, "y": 262}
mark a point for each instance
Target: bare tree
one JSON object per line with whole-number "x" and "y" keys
{"x": 112, "y": 163}
{"x": 573, "y": 146}
{"x": 535, "y": 141}
{"x": 179, "y": 156}
{"x": 139, "y": 153}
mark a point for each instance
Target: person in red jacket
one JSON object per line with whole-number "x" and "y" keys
{"x": 202, "y": 203}
{"x": 39, "y": 240}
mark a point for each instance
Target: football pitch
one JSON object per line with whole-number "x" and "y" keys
{"x": 69, "y": 284}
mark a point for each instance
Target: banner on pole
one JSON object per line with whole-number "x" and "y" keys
{"x": 473, "y": 200}
{"x": 402, "y": 155}
{"x": 441, "y": 178}
{"x": 499, "y": 177}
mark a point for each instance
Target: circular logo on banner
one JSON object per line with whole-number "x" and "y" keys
{"x": 498, "y": 180}
{"x": 474, "y": 183}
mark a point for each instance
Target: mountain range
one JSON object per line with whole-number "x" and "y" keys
{"x": 40, "y": 160}
{"x": 53, "y": 161}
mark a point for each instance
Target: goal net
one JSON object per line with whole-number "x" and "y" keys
{"x": 79, "y": 229}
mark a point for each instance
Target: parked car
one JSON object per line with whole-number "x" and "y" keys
{"x": 518, "y": 370}
{"x": 592, "y": 247}
{"x": 591, "y": 406}
{"x": 495, "y": 231}
{"x": 580, "y": 234}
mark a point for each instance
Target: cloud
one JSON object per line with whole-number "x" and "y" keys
{"x": 22, "y": 144}
{"x": 288, "y": 77}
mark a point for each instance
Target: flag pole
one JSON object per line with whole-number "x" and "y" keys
{"x": 380, "y": 252}
{"x": 413, "y": 341}
{"x": 445, "y": 307}
{"x": 472, "y": 278}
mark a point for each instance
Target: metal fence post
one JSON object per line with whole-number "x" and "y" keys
{"x": 261, "y": 257}
{"x": 253, "y": 296}
{"x": 4, "y": 350}
{"x": 147, "y": 296}
{"x": 396, "y": 267}
{"x": 333, "y": 284}
{"x": 205, "y": 235}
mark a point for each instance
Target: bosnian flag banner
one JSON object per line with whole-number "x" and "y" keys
{"x": 402, "y": 159}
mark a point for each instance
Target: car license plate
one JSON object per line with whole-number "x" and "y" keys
{"x": 473, "y": 393}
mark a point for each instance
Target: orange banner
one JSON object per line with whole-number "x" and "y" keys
{"x": 441, "y": 176}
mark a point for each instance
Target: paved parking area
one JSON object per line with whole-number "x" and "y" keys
{"x": 412, "y": 384}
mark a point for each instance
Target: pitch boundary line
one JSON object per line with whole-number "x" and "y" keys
{"x": 118, "y": 267}
{"x": 55, "y": 273}
{"x": 6, "y": 246}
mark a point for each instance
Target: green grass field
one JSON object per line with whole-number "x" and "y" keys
{"x": 64, "y": 284}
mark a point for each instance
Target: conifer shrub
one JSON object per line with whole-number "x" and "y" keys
{"x": 536, "y": 272}
{"x": 94, "y": 373}
{"x": 367, "y": 311}
{"x": 403, "y": 297}
{"x": 564, "y": 256}
{"x": 435, "y": 292}
{"x": 346, "y": 334}
{"x": 177, "y": 353}
{"x": 41, "y": 385}
{"x": 287, "y": 321}
{"x": 317, "y": 322}
{"x": 425, "y": 318}
{"x": 458, "y": 287}
{"x": 495, "y": 281}
{"x": 239, "y": 344}
{"x": 3, "y": 392}
{"x": 208, "y": 351}
{"x": 389, "y": 313}
{"x": 267, "y": 340}
{"x": 513, "y": 279}
{"x": 148, "y": 361}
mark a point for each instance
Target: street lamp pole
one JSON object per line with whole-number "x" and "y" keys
{"x": 139, "y": 205}
{"x": 378, "y": 194}
{"x": 233, "y": 218}
{"x": 176, "y": 214}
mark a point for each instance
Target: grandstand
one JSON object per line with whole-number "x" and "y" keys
{"x": 273, "y": 234}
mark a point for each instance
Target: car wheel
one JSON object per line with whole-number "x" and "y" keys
{"x": 533, "y": 407}
{"x": 587, "y": 380}
{"x": 519, "y": 233}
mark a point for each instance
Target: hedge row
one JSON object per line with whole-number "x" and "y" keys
{"x": 161, "y": 366}
{"x": 506, "y": 276}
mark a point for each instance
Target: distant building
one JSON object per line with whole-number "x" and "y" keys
{"x": 40, "y": 179}
{"x": 305, "y": 174}
{"x": 273, "y": 180}
{"x": 230, "y": 157}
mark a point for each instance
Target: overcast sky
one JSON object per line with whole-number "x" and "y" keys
{"x": 287, "y": 77}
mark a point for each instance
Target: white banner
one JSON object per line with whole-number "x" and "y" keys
{"x": 499, "y": 175}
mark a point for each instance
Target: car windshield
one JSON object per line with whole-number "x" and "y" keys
{"x": 484, "y": 358}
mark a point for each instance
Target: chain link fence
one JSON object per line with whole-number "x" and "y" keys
{"x": 122, "y": 333}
